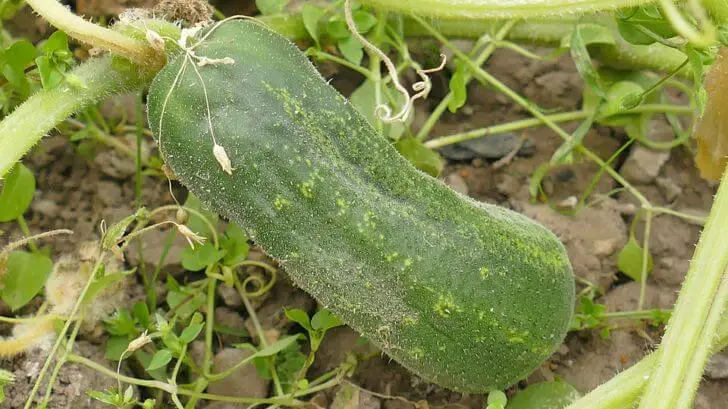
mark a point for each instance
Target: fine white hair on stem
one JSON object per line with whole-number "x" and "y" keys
{"x": 422, "y": 88}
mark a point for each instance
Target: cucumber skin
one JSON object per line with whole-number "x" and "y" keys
{"x": 467, "y": 295}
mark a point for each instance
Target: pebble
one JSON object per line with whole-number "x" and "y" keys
{"x": 243, "y": 382}
{"x": 717, "y": 367}
{"x": 457, "y": 183}
{"x": 643, "y": 164}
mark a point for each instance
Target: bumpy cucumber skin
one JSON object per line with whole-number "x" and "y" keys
{"x": 465, "y": 294}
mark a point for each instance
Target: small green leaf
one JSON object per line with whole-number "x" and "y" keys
{"x": 160, "y": 359}
{"x": 312, "y": 15}
{"x": 267, "y": 7}
{"x": 145, "y": 359}
{"x": 109, "y": 398}
{"x": 496, "y": 400}
{"x": 458, "y": 89}
{"x": 140, "y": 311}
{"x": 629, "y": 260}
{"x": 545, "y": 395}
{"x": 58, "y": 41}
{"x": 364, "y": 20}
{"x": 50, "y": 75}
{"x": 325, "y": 320}
{"x": 185, "y": 303}
{"x": 201, "y": 256}
{"x": 351, "y": 49}
{"x": 15, "y": 59}
{"x": 17, "y": 193}
{"x": 115, "y": 347}
{"x": 337, "y": 28}
{"x": 121, "y": 323}
{"x": 300, "y": 317}
{"x": 104, "y": 282}
{"x": 364, "y": 100}
{"x": 195, "y": 223}
{"x": 24, "y": 278}
{"x": 235, "y": 243}
{"x": 422, "y": 157}
{"x": 617, "y": 94}
{"x": 273, "y": 349}
{"x": 190, "y": 333}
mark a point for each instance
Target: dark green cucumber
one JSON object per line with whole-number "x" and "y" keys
{"x": 468, "y": 295}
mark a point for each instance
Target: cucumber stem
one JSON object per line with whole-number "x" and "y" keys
{"x": 477, "y": 9}
{"x": 30, "y": 121}
{"x": 690, "y": 333}
{"x": 62, "y": 18}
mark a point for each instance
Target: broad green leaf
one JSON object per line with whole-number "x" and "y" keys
{"x": 300, "y": 317}
{"x": 648, "y": 18}
{"x": 458, "y": 89}
{"x": 629, "y": 260}
{"x": 121, "y": 323}
{"x": 58, "y": 41}
{"x": 195, "y": 223}
{"x": 115, "y": 347}
{"x": 17, "y": 193}
{"x": 496, "y": 400}
{"x": 185, "y": 303}
{"x": 25, "y": 276}
{"x": 160, "y": 359}
{"x": 422, "y": 157}
{"x": 145, "y": 359}
{"x": 325, "y": 320}
{"x": 546, "y": 395}
{"x": 201, "y": 256}
{"x": 109, "y": 398}
{"x": 271, "y": 6}
{"x": 312, "y": 15}
{"x": 351, "y": 49}
{"x": 140, "y": 311}
{"x": 14, "y": 61}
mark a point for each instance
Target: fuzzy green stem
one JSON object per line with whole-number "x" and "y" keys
{"x": 684, "y": 349}
{"x": 478, "y": 9}
{"x": 62, "y": 18}
{"x": 101, "y": 77}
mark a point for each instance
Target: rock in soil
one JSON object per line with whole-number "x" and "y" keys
{"x": 351, "y": 397}
{"x": 232, "y": 320}
{"x": 717, "y": 367}
{"x": 244, "y": 382}
{"x": 643, "y": 164}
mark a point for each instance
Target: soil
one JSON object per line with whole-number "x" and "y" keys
{"x": 78, "y": 193}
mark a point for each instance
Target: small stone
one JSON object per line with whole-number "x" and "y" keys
{"x": 228, "y": 318}
{"x": 48, "y": 208}
{"x": 351, "y": 397}
{"x": 457, "y": 183}
{"x": 243, "y": 382}
{"x": 230, "y": 296}
{"x": 668, "y": 188}
{"x": 643, "y": 164}
{"x": 717, "y": 367}
{"x": 493, "y": 146}
{"x": 456, "y": 153}
{"x": 153, "y": 244}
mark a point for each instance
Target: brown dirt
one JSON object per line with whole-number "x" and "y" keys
{"x": 78, "y": 194}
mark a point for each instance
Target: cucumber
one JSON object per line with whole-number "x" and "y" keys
{"x": 468, "y": 295}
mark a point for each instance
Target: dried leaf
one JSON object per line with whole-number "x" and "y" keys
{"x": 712, "y": 130}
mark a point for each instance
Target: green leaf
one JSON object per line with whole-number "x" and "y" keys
{"x": 195, "y": 223}
{"x": 364, "y": 21}
{"x": 496, "y": 400}
{"x": 546, "y": 395}
{"x": 351, "y": 49}
{"x": 116, "y": 231}
{"x": 325, "y": 320}
{"x": 145, "y": 359}
{"x": 109, "y": 398}
{"x": 140, "y": 311}
{"x": 647, "y": 18}
{"x": 115, "y": 347}
{"x": 300, "y": 317}
{"x": 201, "y": 256}
{"x": 6, "y": 378}
{"x": 312, "y": 15}
{"x": 364, "y": 100}
{"x": 267, "y": 7}
{"x": 190, "y": 333}
{"x": 17, "y": 193}
{"x": 337, "y": 28}
{"x": 104, "y": 282}
{"x": 24, "y": 278}
{"x": 617, "y": 94}
{"x": 160, "y": 360}
{"x": 50, "y": 74}
{"x": 584, "y": 65}
{"x": 121, "y": 323}
{"x": 458, "y": 88}
{"x": 186, "y": 302}
{"x": 629, "y": 260}
{"x": 58, "y": 41}
{"x": 422, "y": 157}
{"x": 273, "y": 349}
{"x": 15, "y": 59}
{"x": 235, "y": 243}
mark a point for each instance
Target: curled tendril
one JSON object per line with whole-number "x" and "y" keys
{"x": 421, "y": 88}
{"x": 262, "y": 286}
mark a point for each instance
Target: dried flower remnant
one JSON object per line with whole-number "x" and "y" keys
{"x": 711, "y": 132}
